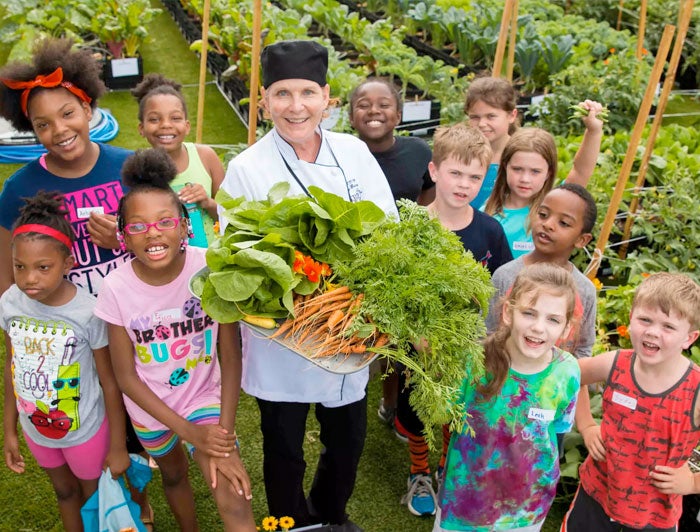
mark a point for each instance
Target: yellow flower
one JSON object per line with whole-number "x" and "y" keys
{"x": 269, "y": 523}
{"x": 598, "y": 285}
{"x": 217, "y": 228}
{"x": 286, "y": 522}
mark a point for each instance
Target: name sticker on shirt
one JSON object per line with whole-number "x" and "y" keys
{"x": 541, "y": 414}
{"x": 84, "y": 212}
{"x": 623, "y": 400}
{"x": 168, "y": 314}
{"x": 523, "y": 246}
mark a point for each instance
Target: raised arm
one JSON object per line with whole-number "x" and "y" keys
{"x": 587, "y": 154}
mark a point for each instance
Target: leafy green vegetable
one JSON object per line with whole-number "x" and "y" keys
{"x": 420, "y": 285}
{"x": 251, "y": 265}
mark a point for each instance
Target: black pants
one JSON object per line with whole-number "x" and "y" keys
{"x": 343, "y": 431}
{"x": 404, "y": 411}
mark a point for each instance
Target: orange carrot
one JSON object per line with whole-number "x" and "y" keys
{"x": 335, "y": 318}
{"x": 282, "y": 329}
{"x": 382, "y": 340}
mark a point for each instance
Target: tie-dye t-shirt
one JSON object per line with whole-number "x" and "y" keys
{"x": 505, "y": 475}
{"x": 174, "y": 340}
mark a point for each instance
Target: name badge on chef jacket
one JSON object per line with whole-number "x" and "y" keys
{"x": 541, "y": 414}
{"x": 624, "y": 400}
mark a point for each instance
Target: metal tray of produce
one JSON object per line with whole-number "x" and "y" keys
{"x": 341, "y": 364}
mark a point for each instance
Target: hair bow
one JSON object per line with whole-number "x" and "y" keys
{"x": 55, "y": 79}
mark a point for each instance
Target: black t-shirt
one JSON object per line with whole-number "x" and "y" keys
{"x": 405, "y": 166}
{"x": 485, "y": 238}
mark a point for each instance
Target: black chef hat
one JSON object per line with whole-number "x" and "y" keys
{"x": 294, "y": 60}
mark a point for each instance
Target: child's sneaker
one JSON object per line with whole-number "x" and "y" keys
{"x": 386, "y": 414}
{"x": 420, "y": 498}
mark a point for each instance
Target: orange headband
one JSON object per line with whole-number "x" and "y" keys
{"x": 55, "y": 79}
{"x": 44, "y": 230}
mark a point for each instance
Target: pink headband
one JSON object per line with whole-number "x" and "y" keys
{"x": 55, "y": 79}
{"x": 44, "y": 230}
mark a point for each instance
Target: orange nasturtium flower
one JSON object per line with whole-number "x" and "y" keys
{"x": 308, "y": 266}
{"x": 286, "y": 522}
{"x": 598, "y": 285}
{"x": 612, "y": 50}
{"x": 623, "y": 332}
{"x": 269, "y": 523}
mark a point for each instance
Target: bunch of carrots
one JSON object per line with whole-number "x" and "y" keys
{"x": 322, "y": 323}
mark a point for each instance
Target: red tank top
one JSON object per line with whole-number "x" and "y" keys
{"x": 641, "y": 431}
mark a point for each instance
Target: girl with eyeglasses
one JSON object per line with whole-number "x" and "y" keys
{"x": 59, "y": 382}
{"x": 179, "y": 371}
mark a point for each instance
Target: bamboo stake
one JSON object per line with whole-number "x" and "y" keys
{"x": 619, "y": 14}
{"x": 636, "y": 136}
{"x": 254, "y": 72}
{"x": 511, "y": 43}
{"x": 202, "y": 73}
{"x": 502, "y": 37}
{"x": 686, "y": 13}
{"x": 642, "y": 28}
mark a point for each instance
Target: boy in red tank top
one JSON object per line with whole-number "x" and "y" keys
{"x": 637, "y": 470}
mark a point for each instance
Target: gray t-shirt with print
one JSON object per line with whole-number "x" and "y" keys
{"x": 59, "y": 398}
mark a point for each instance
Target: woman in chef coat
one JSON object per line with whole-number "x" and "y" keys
{"x": 294, "y": 96}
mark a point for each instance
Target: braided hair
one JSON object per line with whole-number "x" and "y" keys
{"x": 46, "y": 209}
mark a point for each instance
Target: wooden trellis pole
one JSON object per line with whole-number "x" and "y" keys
{"x": 502, "y": 37}
{"x": 686, "y": 12}
{"x": 645, "y": 107}
{"x": 202, "y": 73}
{"x": 254, "y": 71}
{"x": 642, "y": 28}
{"x": 619, "y": 14}
{"x": 511, "y": 43}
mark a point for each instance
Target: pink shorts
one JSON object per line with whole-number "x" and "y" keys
{"x": 84, "y": 460}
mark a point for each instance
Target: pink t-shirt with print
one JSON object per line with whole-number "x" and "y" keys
{"x": 174, "y": 340}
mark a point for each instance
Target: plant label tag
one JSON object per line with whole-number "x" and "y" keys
{"x": 415, "y": 111}
{"x": 128, "y": 66}
{"x": 541, "y": 414}
{"x": 84, "y": 212}
{"x": 623, "y": 400}
{"x": 165, "y": 315}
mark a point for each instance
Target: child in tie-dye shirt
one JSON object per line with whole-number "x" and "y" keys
{"x": 503, "y": 475}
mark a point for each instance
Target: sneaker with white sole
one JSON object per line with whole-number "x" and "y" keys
{"x": 420, "y": 498}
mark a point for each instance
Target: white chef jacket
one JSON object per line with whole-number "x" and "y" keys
{"x": 346, "y": 167}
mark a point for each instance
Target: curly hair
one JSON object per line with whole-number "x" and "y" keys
{"x": 148, "y": 170}
{"x": 79, "y": 68}
{"x": 154, "y": 85}
{"x": 46, "y": 208}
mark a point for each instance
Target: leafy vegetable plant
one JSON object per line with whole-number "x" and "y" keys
{"x": 421, "y": 287}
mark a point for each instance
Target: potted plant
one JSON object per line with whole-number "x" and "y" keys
{"x": 121, "y": 26}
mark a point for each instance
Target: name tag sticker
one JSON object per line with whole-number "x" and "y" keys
{"x": 523, "y": 246}
{"x": 84, "y": 212}
{"x": 167, "y": 315}
{"x": 623, "y": 400}
{"x": 541, "y": 414}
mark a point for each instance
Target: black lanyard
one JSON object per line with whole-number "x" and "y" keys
{"x": 303, "y": 187}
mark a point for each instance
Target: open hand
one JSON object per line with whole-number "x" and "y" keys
{"x": 676, "y": 480}
{"x": 13, "y": 458}
{"x": 233, "y": 470}
{"x": 213, "y": 440}
{"x": 594, "y": 442}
